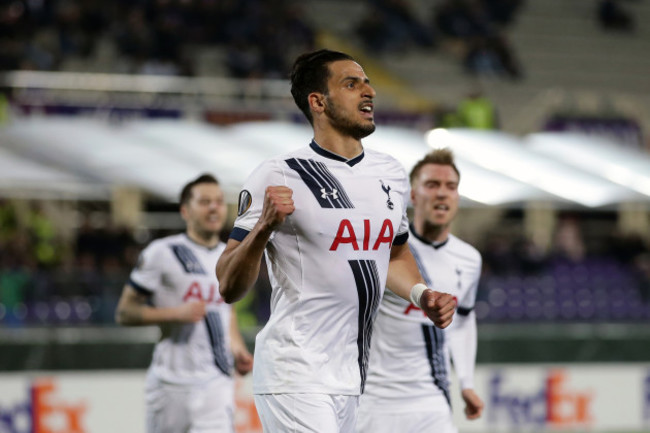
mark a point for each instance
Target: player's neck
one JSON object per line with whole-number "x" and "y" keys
{"x": 431, "y": 232}
{"x": 208, "y": 240}
{"x": 335, "y": 142}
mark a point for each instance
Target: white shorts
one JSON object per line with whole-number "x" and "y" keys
{"x": 437, "y": 419}
{"x": 203, "y": 408}
{"x": 307, "y": 413}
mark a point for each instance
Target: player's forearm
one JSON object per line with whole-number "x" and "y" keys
{"x": 239, "y": 265}
{"x": 144, "y": 315}
{"x": 403, "y": 272}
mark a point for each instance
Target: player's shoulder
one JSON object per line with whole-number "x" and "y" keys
{"x": 165, "y": 242}
{"x": 464, "y": 248}
{"x": 384, "y": 163}
{"x": 277, "y": 163}
{"x": 381, "y": 157}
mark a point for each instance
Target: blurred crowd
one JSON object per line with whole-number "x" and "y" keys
{"x": 475, "y": 29}
{"x": 47, "y": 278}
{"x": 153, "y": 36}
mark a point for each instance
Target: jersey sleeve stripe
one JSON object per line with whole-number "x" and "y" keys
{"x": 239, "y": 233}
{"x": 139, "y": 288}
{"x": 464, "y": 311}
{"x": 401, "y": 238}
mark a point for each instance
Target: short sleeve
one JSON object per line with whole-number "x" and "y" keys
{"x": 466, "y": 304}
{"x": 403, "y": 230}
{"x": 251, "y": 197}
{"x": 146, "y": 277}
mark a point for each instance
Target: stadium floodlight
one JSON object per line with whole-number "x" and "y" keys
{"x": 507, "y": 154}
{"x": 600, "y": 156}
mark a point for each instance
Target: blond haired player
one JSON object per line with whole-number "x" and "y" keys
{"x": 407, "y": 388}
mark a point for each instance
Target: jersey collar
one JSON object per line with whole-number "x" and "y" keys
{"x": 434, "y": 244}
{"x": 201, "y": 245}
{"x": 331, "y": 155}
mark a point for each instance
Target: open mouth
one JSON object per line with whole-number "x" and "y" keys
{"x": 367, "y": 109}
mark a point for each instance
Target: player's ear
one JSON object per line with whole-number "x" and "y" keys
{"x": 183, "y": 210}
{"x": 316, "y": 102}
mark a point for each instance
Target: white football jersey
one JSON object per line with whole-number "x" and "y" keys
{"x": 409, "y": 360}
{"x": 327, "y": 265}
{"x": 173, "y": 270}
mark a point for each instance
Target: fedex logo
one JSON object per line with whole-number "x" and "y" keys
{"x": 346, "y": 234}
{"x": 43, "y": 413}
{"x": 552, "y": 405}
{"x": 195, "y": 292}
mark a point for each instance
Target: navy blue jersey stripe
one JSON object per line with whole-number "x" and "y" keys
{"x": 434, "y": 339}
{"x": 238, "y": 234}
{"x": 215, "y": 331}
{"x": 401, "y": 239}
{"x": 366, "y": 278}
{"x": 187, "y": 258}
{"x": 463, "y": 311}
{"x": 326, "y": 189}
{"x": 329, "y": 178}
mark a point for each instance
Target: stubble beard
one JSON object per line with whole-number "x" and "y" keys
{"x": 344, "y": 125}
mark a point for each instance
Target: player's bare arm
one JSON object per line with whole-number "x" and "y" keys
{"x": 133, "y": 310}
{"x": 473, "y": 404}
{"x": 239, "y": 265}
{"x": 242, "y": 357}
{"x": 403, "y": 275}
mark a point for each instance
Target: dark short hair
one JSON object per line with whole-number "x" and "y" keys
{"x": 310, "y": 73}
{"x": 186, "y": 192}
{"x": 438, "y": 156}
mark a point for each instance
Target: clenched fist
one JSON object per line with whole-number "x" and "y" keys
{"x": 439, "y": 307}
{"x": 191, "y": 311}
{"x": 278, "y": 203}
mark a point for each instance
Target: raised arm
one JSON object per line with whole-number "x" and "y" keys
{"x": 239, "y": 265}
{"x": 405, "y": 280}
{"x": 133, "y": 310}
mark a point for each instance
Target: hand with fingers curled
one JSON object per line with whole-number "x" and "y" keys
{"x": 278, "y": 204}
{"x": 439, "y": 307}
{"x": 191, "y": 312}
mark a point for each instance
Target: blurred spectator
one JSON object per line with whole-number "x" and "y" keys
{"x": 43, "y": 235}
{"x": 612, "y": 16}
{"x": 477, "y": 111}
{"x": 642, "y": 267}
{"x": 502, "y": 12}
{"x": 569, "y": 244}
{"x": 479, "y": 26}
{"x": 498, "y": 257}
{"x": 392, "y": 26}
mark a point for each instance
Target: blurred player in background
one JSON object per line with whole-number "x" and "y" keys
{"x": 190, "y": 385}
{"x": 329, "y": 253}
{"x": 407, "y": 389}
